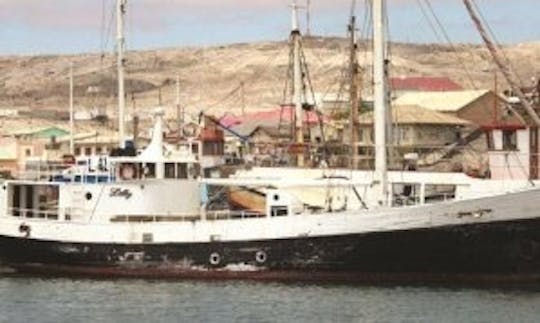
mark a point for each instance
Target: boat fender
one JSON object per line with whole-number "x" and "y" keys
{"x": 260, "y": 257}
{"x": 214, "y": 259}
{"x": 25, "y": 229}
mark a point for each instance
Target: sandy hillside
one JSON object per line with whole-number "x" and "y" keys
{"x": 211, "y": 76}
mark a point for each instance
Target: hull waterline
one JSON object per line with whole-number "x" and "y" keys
{"x": 472, "y": 253}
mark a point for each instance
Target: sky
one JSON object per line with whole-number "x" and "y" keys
{"x": 76, "y": 26}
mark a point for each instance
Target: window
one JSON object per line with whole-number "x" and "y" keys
{"x": 193, "y": 170}
{"x": 439, "y": 193}
{"x": 28, "y": 152}
{"x": 169, "y": 170}
{"x": 88, "y": 151}
{"x": 404, "y": 133}
{"x": 77, "y": 151}
{"x": 181, "y": 170}
{"x": 98, "y": 150}
{"x": 150, "y": 170}
{"x": 509, "y": 140}
{"x": 361, "y": 135}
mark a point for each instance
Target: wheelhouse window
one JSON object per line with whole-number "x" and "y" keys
{"x": 170, "y": 170}
{"x": 149, "y": 170}
{"x": 181, "y": 170}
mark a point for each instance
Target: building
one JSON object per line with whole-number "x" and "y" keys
{"x": 480, "y": 107}
{"x": 15, "y": 152}
{"x": 415, "y": 129}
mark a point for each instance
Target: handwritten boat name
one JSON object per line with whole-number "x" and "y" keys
{"x": 120, "y": 192}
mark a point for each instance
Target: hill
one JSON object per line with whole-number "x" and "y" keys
{"x": 211, "y": 76}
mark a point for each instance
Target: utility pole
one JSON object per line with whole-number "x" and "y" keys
{"x": 179, "y": 109}
{"x": 120, "y": 39}
{"x": 243, "y": 98}
{"x": 71, "y": 112}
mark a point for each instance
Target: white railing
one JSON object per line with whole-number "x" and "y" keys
{"x": 46, "y": 171}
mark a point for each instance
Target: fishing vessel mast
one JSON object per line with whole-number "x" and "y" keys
{"x": 354, "y": 74}
{"x": 297, "y": 85}
{"x": 71, "y": 112}
{"x": 380, "y": 103}
{"x": 120, "y": 61}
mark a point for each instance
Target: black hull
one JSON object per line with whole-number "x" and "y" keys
{"x": 483, "y": 252}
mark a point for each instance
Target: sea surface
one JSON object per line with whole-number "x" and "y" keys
{"x": 27, "y": 299}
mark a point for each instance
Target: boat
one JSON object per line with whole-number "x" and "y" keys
{"x": 149, "y": 220}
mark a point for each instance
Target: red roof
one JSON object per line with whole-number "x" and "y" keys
{"x": 285, "y": 113}
{"x": 424, "y": 83}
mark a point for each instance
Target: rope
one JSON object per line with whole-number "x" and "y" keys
{"x": 451, "y": 44}
{"x": 505, "y": 70}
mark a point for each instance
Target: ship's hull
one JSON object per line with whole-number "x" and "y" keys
{"x": 474, "y": 252}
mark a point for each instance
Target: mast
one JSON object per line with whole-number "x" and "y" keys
{"x": 120, "y": 39}
{"x": 379, "y": 97}
{"x": 353, "y": 90}
{"x": 297, "y": 84}
{"x": 71, "y": 111}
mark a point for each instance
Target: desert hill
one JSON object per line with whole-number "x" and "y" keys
{"x": 210, "y": 77}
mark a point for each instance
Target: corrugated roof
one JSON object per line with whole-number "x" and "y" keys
{"x": 247, "y": 127}
{"x": 451, "y": 101}
{"x": 412, "y": 114}
{"x": 29, "y": 126}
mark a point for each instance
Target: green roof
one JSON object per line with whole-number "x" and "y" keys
{"x": 46, "y": 132}
{"x": 51, "y": 132}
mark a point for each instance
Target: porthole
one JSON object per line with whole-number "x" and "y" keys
{"x": 88, "y": 196}
{"x": 276, "y": 197}
{"x": 260, "y": 257}
{"x": 214, "y": 259}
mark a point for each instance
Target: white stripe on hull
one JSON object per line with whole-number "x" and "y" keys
{"x": 514, "y": 206}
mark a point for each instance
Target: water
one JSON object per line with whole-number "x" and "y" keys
{"x": 24, "y": 299}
